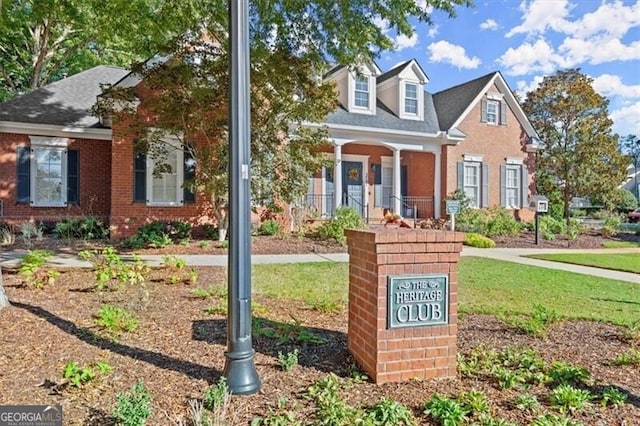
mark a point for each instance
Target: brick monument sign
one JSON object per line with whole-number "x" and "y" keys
{"x": 403, "y": 302}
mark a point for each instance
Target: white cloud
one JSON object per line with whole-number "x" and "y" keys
{"x": 627, "y": 119}
{"x": 522, "y": 87}
{"x": 489, "y": 24}
{"x": 610, "y": 19}
{"x": 443, "y": 51}
{"x": 383, "y": 24}
{"x": 529, "y": 58}
{"x": 433, "y": 31}
{"x": 612, "y": 85}
{"x": 423, "y": 5}
{"x": 596, "y": 51}
{"x": 540, "y": 15}
{"x": 403, "y": 42}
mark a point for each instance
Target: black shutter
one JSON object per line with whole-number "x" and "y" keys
{"x": 140, "y": 177}
{"x": 73, "y": 177}
{"x": 403, "y": 181}
{"x": 23, "y": 160}
{"x": 377, "y": 174}
{"x": 485, "y": 186}
{"x": 189, "y": 176}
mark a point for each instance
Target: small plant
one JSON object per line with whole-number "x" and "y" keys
{"x": 115, "y": 320}
{"x": 537, "y": 323}
{"x": 527, "y": 402}
{"x": 204, "y": 244}
{"x": 326, "y": 306}
{"x": 289, "y": 360}
{"x": 33, "y": 269}
{"x": 554, "y": 420}
{"x": 133, "y": 408}
{"x": 474, "y": 401}
{"x": 29, "y": 231}
{"x": 563, "y": 373}
{"x": 7, "y": 237}
{"x": 630, "y": 357}
{"x": 566, "y": 398}
{"x": 478, "y": 240}
{"x": 269, "y": 227}
{"x": 332, "y": 408}
{"x": 445, "y": 410}
{"x": 78, "y": 376}
{"x": 388, "y": 412}
{"x": 344, "y": 218}
{"x": 506, "y": 378}
{"x": 220, "y": 308}
{"x": 613, "y": 396}
{"x": 211, "y": 291}
{"x": 217, "y": 395}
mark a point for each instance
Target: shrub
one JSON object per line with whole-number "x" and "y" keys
{"x": 269, "y": 227}
{"x": 569, "y": 399}
{"x": 179, "y": 230}
{"x": 476, "y": 240}
{"x": 33, "y": 269}
{"x": 613, "y": 396}
{"x": 153, "y": 234}
{"x": 86, "y": 228}
{"x": 625, "y": 201}
{"x": 549, "y": 225}
{"x": 115, "y": 320}
{"x": 217, "y": 395}
{"x": 388, "y": 412}
{"x": 445, "y": 410}
{"x": 345, "y": 218}
{"x": 133, "y": 408}
{"x": 612, "y": 225}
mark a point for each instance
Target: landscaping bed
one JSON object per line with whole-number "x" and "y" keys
{"x": 178, "y": 347}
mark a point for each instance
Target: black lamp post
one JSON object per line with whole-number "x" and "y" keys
{"x": 239, "y": 370}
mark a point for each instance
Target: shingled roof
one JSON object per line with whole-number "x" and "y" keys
{"x": 452, "y": 102}
{"x": 64, "y": 103}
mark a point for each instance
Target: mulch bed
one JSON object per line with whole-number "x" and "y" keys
{"x": 178, "y": 349}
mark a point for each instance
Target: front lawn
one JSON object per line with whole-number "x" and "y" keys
{"x": 626, "y": 262}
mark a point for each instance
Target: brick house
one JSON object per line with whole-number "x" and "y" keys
{"x": 395, "y": 146}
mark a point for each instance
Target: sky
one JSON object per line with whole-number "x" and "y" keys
{"x": 528, "y": 39}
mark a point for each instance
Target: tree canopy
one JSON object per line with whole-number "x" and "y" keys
{"x": 581, "y": 157}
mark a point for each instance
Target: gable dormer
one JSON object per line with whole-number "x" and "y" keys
{"x": 402, "y": 90}
{"x": 356, "y": 87}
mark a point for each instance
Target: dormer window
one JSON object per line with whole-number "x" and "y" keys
{"x": 411, "y": 98}
{"x": 494, "y": 109}
{"x": 362, "y": 91}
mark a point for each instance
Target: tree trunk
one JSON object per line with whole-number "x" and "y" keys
{"x": 3, "y": 297}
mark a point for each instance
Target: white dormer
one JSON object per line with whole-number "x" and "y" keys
{"x": 402, "y": 90}
{"x": 357, "y": 89}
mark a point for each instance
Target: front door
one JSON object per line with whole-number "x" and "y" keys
{"x": 352, "y": 191}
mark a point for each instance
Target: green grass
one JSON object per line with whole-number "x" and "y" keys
{"x": 627, "y": 262}
{"x": 620, "y": 244}
{"x": 500, "y": 287}
{"x": 316, "y": 284}
{"x": 486, "y": 286}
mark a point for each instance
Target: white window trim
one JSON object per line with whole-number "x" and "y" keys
{"x": 402, "y": 90}
{"x": 473, "y": 158}
{"x": 514, "y": 160}
{"x": 497, "y": 113}
{"x": 179, "y": 180}
{"x": 478, "y": 166}
{"x": 49, "y": 143}
{"x": 518, "y": 186}
{"x": 351, "y": 87}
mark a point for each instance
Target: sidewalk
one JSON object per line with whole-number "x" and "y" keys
{"x": 12, "y": 260}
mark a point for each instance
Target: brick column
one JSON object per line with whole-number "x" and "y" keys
{"x": 399, "y": 354}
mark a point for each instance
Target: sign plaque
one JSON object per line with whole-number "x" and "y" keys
{"x": 414, "y": 301}
{"x": 452, "y": 207}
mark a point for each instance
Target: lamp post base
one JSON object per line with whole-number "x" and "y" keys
{"x": 240, "y": 372}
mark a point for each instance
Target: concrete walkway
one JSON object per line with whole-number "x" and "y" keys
{"x": 10, "y": 259}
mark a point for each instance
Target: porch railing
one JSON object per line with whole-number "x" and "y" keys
{"x": 413, "y": 206}
{"x": 321, "y": 206}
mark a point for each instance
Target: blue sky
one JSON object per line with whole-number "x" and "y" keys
{"x": 528, "y": 39}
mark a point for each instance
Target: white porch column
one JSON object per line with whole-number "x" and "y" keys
{"x": 396, "y": 182}
{"x": 437, "y": 186}
{"x": 337, "y": 175}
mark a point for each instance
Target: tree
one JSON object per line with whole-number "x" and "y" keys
{"x": 185, "y": 92}
{"x": 43, "y": 40}
{"x": 581, "y": 156}
{"x": 631, "y": 146}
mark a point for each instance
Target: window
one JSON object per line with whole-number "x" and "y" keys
{"x": 494, "y": 111}
{"x": 159, "y": 182}
{"x": 512, "y": 186}
{"x": 411, "y": 98}
{"x": 362, "y": 91}
{"x": 472, "y": 183}
{"x": 473, "y": 180}
{"x": 47, "y": 173}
